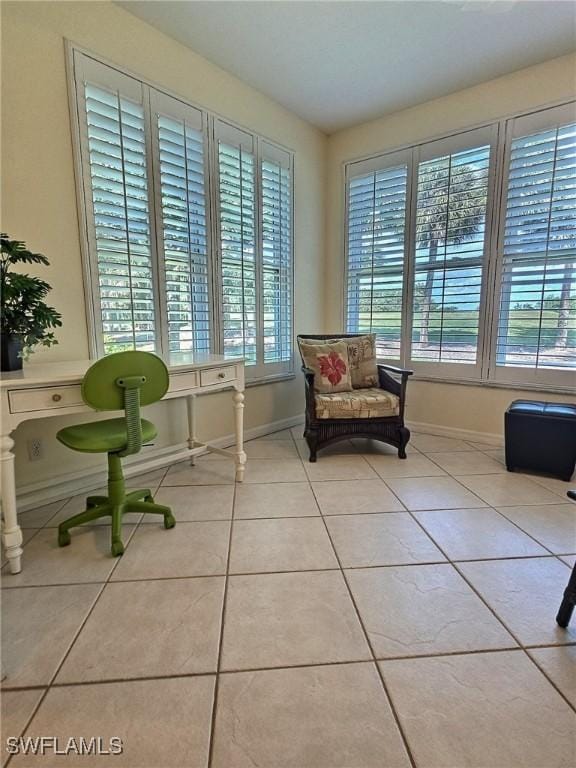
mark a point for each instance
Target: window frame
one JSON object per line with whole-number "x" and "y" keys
{"x": 485, "y": 373}
{"x": 395, "y": 158}
{"x": 541, "y": 378}
{"x": 260, "y": 372}
{"x": 178, "y": 111}
{"x": 423, "y": 153}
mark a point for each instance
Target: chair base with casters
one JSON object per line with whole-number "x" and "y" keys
{"x": 115, "y": 505}
{"x": 143, "y": 380}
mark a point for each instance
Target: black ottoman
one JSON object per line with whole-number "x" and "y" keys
{"x": 541, "y": 437}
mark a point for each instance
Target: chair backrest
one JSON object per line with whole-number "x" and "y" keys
{"x": 100, "y": 388}
{"x": 324, "y": 337}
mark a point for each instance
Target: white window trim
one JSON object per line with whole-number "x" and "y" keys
{"x": 352, "y": 170}
{"x": 540, "y": 378}
{"x": 450, "y": 373}
{"x": 261, "y": 373}
{"x": 425, "y": 151}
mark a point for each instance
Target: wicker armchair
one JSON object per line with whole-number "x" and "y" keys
{"x": 322, "y": 432}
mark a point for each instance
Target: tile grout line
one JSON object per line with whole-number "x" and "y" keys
{"x": 521, "y": 646}
{"x": 527, "y": 533}
{"x": 480, "y": 596}
{"x": 495, "y": 509}
{"x": 453, "y": 563}
{"x": 39, "y": 528}
{"x": 311, "y": 665}
{"x": 545, "y": 556}
{"x": 216, "y": 691}
{"x": 387, "y": 694}
{"x": 73, "y": 641}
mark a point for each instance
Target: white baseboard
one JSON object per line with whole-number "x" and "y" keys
{"x": 63, "y": 486}
{"x": 460, "y": 434}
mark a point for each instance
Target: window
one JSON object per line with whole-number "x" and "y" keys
{"x": 179, "y": 141}
{"x": 536, "y": 326}
{"x": 276, "y": 218}
{"x": 416, "y": 252}
{"x": 237, "y": 208}
{"x": 453, "y": 189}
{"x": 255, "y": 222}
{"x": 376, "y": 251}
{"x": 114, "y": 145}
{"x": 452, "y": 286}
{"x": 168, "y": 269}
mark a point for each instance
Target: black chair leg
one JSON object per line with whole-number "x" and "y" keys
{"x": 404, "y": 438}
{"x": 312, "y": 440}
{"x": 568, "y": 602}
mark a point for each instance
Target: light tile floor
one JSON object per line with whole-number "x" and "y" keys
{"x": 356, "y": 613}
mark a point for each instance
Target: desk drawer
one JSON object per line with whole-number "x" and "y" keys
{"x": 217, "y": 375}
{"x": 25, "y": 400}
{"x": 179, "y": 381}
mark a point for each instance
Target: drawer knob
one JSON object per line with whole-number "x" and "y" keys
{"x": 56, "y": 398}
{"x": 221, "y": 375}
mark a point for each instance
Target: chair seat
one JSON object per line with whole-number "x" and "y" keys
{"x": 106, "y": 436}
{"x": 372, "y": 403}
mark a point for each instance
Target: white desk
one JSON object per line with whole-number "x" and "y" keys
{"x": 48, "y": 391}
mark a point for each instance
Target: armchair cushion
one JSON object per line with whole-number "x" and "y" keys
{"x": 330, "y": 364}
{"x": 371, "y": 403}
{"x": 361, "y": 356}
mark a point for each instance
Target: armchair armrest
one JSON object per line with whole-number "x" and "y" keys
{"x": 394, "y": 369}
{"x": 308, "y": 373}
{"x": 309, "y": 391}
{"x": 390, "y": 384}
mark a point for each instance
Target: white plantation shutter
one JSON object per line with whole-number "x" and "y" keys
{"x": 237, "y": 230}
{"x": 276, "y": 223}
{"x": 536, "y": 327}
{"x": 114, "y": 147}
{"x": 255, "y": 234}
{"x": 179, "y": 142}
{"x": 451, "y": 237}
{"x": 189, "y": 226}
{"x": 376, "y": 248}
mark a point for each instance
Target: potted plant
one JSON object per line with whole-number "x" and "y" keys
{"x": 26, "y": 320}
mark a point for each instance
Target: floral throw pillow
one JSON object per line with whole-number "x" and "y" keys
{"x": 330, "y": 365}
{"x": 361, "y": 356}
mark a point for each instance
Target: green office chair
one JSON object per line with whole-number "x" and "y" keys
{"x": 125, "y": 380}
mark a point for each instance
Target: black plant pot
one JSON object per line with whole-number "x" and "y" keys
{"x": 10, "y": 353}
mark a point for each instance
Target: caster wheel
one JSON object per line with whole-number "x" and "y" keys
{"x": 169, "y": 521}
{"x": 117, "y": 548}
{"x": 64, "y": 538}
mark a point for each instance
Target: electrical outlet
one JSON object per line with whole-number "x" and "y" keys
{"x": 35, "y": 449}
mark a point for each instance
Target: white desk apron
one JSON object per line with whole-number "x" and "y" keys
{"x": 48, "y": 391}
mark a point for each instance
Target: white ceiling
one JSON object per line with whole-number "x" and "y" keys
{"x": 340, "y": 63}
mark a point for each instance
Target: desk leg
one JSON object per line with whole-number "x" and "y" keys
{"x": 11, "y": 533}
{"x": 240, "y": 460}
{"x": 191, "y": 411}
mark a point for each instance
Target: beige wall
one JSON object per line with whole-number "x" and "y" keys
{"x": 39, "y": 204}
{"x": 464, "y": 407}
